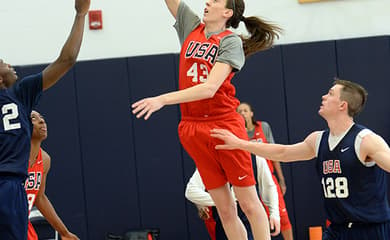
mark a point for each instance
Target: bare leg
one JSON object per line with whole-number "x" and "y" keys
{"x": 254, "y": 211}
{"x": 287, "y": 234}
{"x": 227, "y": 211}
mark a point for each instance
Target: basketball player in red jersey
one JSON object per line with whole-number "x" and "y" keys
{"x": 260, "y": 131}
{"x": 39, "y": 166}
{"x": 210, "y": 55}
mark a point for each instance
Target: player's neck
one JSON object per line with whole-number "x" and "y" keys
{"x": 338, "y": 126}
{"x": 35, "y": 146}
{"x": 214, "y": 27}
{"x": 250, "y": 126}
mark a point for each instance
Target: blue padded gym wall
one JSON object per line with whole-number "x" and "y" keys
{"x": 157, "y": 149}
{"x": 308, "y": 73}
{"x": 196, "y": 227}
{"x": 106, "y": 136}
{"x": 367, "y": 61}
{"x": 64, "y": 186}
{"x": 260, "y": 83}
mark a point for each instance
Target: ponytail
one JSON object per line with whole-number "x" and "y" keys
{"x": 262, "y": 34}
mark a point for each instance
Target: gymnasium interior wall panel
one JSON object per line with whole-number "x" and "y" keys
{"x": 260, "y": 83}
{"x": 107, "y": 147}
{"x": 308, "y": 69}
{"x": 64, "y": 185}
{"x": 367, "y": 61}
{"x": 196, "y": 227}
{"x": 157, "y": 149}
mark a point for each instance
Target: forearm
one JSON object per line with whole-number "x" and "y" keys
{"x": 267, "y": 187}
{"x": 71, "y": 48}
{"x": 275, "y": 152}
{"x": 173, "y": 6}
{"x": 46, "y": 208}
{"x": 198, "y": 92}
{"x": 273, "y": 202}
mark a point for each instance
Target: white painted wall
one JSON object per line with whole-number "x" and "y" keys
{"x": 33, "y": 31}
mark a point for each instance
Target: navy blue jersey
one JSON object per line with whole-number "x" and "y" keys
{"x": 353, "y": 192}
{"x": 16, "y": 104}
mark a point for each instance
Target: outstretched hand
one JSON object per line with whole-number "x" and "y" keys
{"x": 231, "y": 141}
{"x": 82, "y": 6}
{"x": 147, "y": 106}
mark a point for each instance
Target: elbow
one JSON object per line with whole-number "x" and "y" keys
{"x": 67, "y": 59}
{"x": 66, "y": 62}
{"x": 209, "y": 91}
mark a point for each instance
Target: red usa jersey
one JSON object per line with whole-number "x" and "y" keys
{"x": 197, "y": 57}
{"x": 33, "y": 181}
{"x": 259, "y": 136}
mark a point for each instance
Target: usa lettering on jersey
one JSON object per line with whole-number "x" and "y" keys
{"x": 33, "y": 180}
{"x": 206, "y": 51}
{"x": 334, "y": 187}
{"x": 331, "y": 166}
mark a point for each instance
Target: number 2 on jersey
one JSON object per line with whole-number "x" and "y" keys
{"x": 10, "y": 112}
{"x": 198, "y": 76}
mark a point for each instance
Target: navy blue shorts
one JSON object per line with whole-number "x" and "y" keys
{"x": 13, "y": 208}
{"x": 368, "y": 231}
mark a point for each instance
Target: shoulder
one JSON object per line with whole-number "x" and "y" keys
{"x": 364, "y": 132}
{"x": 367, "y": 139}
{"x": 46, "y": 159}
{"x": 34, "y": 78}
{"x": 231, "y": 51}
{"x": 265, "y": 125}
{"x": 231, "y": 39}
{"x": 314, "y": 138}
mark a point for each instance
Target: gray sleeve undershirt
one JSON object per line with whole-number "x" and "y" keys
{"x": 231, "y": 52}
{"x": 267, "y": 132}
{"x": 186, "y": 21}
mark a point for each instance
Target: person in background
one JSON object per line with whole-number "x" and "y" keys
{"x": 35, "y": 185}
{"x": 260, "y": 131}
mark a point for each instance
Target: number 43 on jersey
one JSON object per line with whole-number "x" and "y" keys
{"x": 199, "y": 75}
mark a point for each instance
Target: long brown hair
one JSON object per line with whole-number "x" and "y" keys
{"x": 262, "y": 33}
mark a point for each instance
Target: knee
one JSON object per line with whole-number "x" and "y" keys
{"x": 227, "y": 212}
{"x": 250, "y": 208}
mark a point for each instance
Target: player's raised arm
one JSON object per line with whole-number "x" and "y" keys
{"x": 173, "y": 5}
{"x": 70, "y": 50}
